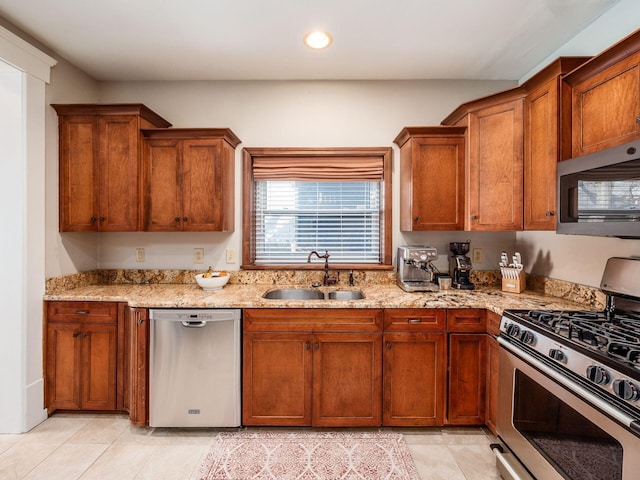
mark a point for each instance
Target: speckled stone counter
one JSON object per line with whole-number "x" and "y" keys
{"x": 250, "y": 296}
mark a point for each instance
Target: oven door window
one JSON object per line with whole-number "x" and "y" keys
{"x": 576, "y": 447}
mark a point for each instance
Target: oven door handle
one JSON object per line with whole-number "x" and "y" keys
{"x": 621, "y": 417}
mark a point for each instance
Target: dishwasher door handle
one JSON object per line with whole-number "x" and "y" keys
{"x": 195, "y": 324}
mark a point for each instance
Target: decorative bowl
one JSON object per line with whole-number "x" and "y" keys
{"x": 215, "y": 282}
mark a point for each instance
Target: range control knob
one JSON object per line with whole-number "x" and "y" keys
{"x": 626, "y": 390}
{"x": 598, "y": 375}
{"x": 556, "y": 354}
{"x": 527, "y": 337}
{"x": 513, "y": 330}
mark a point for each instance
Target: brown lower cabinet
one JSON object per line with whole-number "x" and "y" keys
{"x": 467, "y": 366}
{"x": 414, "y": 367}
{"x": 328, "y": 373}
{"x": 81, "y": 367}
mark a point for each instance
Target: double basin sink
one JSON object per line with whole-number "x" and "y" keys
{"x": 312, "y": 294}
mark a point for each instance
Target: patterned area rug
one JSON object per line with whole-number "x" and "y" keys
{"x": 308, "y": 455}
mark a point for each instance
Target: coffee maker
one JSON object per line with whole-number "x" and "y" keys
{"x": 415, "y": 270}
{"x": 460, "y": 265}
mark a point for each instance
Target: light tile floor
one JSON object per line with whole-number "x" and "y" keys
{"x": 104, "y": 447}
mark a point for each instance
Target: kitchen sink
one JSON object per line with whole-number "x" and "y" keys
{"x": 294, "y": 294}
{"x": 345, "y": 295}
{"x": 312, "y": 294}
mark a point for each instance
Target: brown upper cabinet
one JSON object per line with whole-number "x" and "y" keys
{"x": 542, "y": 143}
{"x": 99, "y": 160}
{"x": 189, "y": 179}
{"x": 601, "y": 99}
{"x": 431, "y": 178}
{"x": 494, "y": 160}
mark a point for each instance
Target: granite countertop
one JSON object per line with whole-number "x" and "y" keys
{"x": 250, "y": 296}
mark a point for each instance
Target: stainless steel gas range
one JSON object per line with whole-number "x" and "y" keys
{"x": 569, "y": 387}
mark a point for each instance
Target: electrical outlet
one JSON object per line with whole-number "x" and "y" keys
{"x": 198, "y": 255}
{"x": 231, "y": 255}
{"x": 477, "y": 255}
{"x": 139, "y": 254}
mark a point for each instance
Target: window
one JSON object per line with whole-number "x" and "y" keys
{"x": 297, "y": 201}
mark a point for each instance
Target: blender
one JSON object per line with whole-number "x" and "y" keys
{"x": 460, "y": 265}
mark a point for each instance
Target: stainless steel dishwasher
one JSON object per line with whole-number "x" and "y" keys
{"x": 194, "y": 368}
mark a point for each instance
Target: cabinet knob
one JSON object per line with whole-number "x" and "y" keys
{"x": 638, "y": 119}
{"x": 140, "y": 321}
{"x": 76, "y": 334}
{"x": 93, "y": 219}
{"x": 307, "y": 346}
{"x": 185, "y": 219}
{"x": 416, "y": 218}
{"x": 102, "y": 219}
{"x": 474, "y": 217}
{"x": 388, "y": 345}
{"x": 177, "y": 219}
{"x": 549, "y": 214}
{"x": 316, "y": 346}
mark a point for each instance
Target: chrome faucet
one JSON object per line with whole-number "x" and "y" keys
{"x": 327, "y": 279}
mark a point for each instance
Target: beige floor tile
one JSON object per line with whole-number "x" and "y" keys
{"x": 464, "y": 436}
{"x": 5, "y": 446}
{"x": 100, "y": 430}
{"x": 119, "y": 462}
{"x": 172, "y": 462}
{"x": 166, "y": 436}
{"x": 55, "y": 430}
{"x": 9, "y": 438}
{"x": 477, "y": 462}
{"x": 422, "y": 436}
{"x": 21, "y": 458}
{"x": 68, "y": 462}
{"x": 435, "y": 462}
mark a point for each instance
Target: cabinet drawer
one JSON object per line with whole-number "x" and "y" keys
{"x": 468, "y": 320}
{"x": 414, "y": 319}
{"x": 312, "y": 320}
{"x": 95, "y": 312}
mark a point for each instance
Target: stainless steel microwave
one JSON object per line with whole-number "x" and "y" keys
{"x": 599, "y": 193}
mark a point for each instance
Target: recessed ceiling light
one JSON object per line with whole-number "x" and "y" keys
{"x": 317, "y": 39}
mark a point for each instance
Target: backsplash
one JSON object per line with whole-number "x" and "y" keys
{"x": 582, "y": 294}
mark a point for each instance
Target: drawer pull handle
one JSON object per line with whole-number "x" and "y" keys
{"x": 414, "y": 321}
{"x": 549, "y": 214}
{"x": 82, "y": 312}
{"x": 140, "y": 321}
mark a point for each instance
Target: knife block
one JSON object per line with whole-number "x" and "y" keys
{"x": 515, "y": 285}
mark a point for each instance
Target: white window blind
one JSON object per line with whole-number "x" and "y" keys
{"x": 295, "y": 217}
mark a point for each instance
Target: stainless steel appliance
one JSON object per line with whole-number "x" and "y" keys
{"x": 460, "y": 265}
{"x": 416, "y": 273}
{"x": 599, "y": 193}
{"x": 569, "y": 387}
{"x": 194, "y": 371}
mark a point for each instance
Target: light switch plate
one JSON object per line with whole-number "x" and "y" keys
{"x": 231, "y": 255}
{"x": 198, "y": 255}
{"x": 139, "y": 254}
{"x": 477, "y": 255}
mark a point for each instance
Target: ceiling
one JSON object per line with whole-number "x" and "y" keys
{"x": 262, "y": 39}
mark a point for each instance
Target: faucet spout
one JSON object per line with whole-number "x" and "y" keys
{"x": 327, "y": 280}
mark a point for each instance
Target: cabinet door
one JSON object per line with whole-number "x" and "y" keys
{"x": 491, "y": 411}
{"x": 496, "y": 167}
{"x": 606, "y": 108}
{"x": 119, "y": 159}
{"x": 541, "y": 154}
{"x": 277, "y": 379}
{"x": 414, "y": 379}
{"x": 139, "y": 366}
{"x": 347, "y": 379}
{"x": 432, "y": 184}
{"x": 63, "y": 366}
{"x": 98, "y": 357}
{"x": 467, "y": 373}
{"x": 78, "y": 173}
{"x": 203, "y": 195}
{"x": 163, "y": 185}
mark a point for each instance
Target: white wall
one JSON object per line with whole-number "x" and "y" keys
{"x": 581, "y": 259}
{"x": 293, "y": 114}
